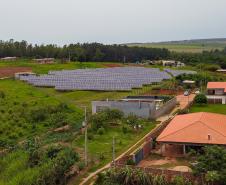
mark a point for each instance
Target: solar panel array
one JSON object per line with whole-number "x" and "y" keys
{"x": 104, "y": 79}
{"x": 179, "y": 72}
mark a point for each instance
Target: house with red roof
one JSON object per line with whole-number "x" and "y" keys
{"x": 216, "y": 92}
{"x": 192, "y": 131}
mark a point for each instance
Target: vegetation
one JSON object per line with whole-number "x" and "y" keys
{"x": 215, "y": 108}
{"x": 200, "y": 99}
{"x": 44, "y": 109}
{"x": 213, "y": 164}
{"x": 81, "y": 52}
{"x": 217, "y": 57}
{"x": 35, "y": 165}
{"x": 129, "y": 176}
{"x": 26, "y": 111}
{"x": 201, "y": 79}
{"x": 101, "y": 133}
{"x": 192, "y": 46}
{"x": 43, "y": 69}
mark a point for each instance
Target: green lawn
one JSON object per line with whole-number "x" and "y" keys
{"x": 44, "y": 68}
{"x": 215, "y": 108}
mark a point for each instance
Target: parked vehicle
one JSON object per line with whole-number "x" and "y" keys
{"x": 187, "y": 93}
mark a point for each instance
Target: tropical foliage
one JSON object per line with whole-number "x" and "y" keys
{"x": 36, "y": 165}
{"x": 129, "y": 176}
{"x": 213, "y": 164}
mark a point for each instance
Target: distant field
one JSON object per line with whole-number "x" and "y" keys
{"x": 187, "y": 48}
{"x": 215, "y": 108}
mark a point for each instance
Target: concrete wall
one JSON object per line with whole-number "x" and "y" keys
{"x": 140, "y": 109}
{"x": 166, "y": 108}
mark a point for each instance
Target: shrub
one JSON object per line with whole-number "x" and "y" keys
{"x": 101, "y": 131}
{"x": 81, "y": 165}
{"x": 2, "y": 94}
{"x": 201, "y": 99}
{"x": 125, "y": 129}
{"x": 90, "y": 136}
{"x": 130, "y": 162}
{"x": 132, "y": 120}
{"x": 101, "y": 157}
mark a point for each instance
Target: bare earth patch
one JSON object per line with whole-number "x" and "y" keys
{"x": 181, "y": 169}
{"x": 10, "y": 71}
{"x": 159, "y": 162}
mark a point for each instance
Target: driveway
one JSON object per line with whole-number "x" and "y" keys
{"x": 184, "y": 100}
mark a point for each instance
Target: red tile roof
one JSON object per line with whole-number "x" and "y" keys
{"x": 217, "y": 85}
{"x": 199, "y": 128}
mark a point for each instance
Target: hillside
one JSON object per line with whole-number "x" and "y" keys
{"x": 193, "y": 46}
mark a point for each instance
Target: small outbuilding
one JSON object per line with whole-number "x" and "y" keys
{"x": 9, "y": 58}
{"x": 44, "y": 60}
{"x": 149, "y": 107}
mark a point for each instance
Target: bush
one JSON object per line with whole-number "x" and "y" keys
{"x": 101, "y": 131}
{"x": 201, "y": 99}
{"x": 125, "y": 129}
{"x": 101, "y": 157}
{"x": 2, "y": 94}
{"x": 130, "y": 162}
{"x": 132, "y": 120}
{"x": 81, "y": 165}
{"x": 90, "y": 136}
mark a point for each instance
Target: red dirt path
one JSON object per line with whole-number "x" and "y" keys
{"x": 10, "y": 71}
{"x": 113, "y": 65}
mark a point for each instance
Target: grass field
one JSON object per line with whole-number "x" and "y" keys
{"x": 44, "y": 68}
{"x": 20, "y": 100}
{"x": 215, "y": 108}
{"x": 187, "y": 48}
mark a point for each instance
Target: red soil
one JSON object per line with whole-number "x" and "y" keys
{"x": 113, "y": 65}
{"x": 10, "y": 71}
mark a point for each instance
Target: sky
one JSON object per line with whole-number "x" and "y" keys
{"x": 111, "y": 21}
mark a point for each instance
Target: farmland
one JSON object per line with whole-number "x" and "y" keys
{"x": 187, "y": 46}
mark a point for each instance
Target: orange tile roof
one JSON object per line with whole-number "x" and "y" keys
{"x": 217, "y": 85}
{"x": 196, "y": 128}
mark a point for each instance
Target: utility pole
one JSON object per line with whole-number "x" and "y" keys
{"x": 85, "y": 124}
{"x": 113, "y": 151}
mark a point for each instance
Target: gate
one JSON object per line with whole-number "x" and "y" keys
{"x": 139, "y": 156}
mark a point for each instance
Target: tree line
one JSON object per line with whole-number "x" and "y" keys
{"x": 82, "y": 52}
{"x": 107, "y": 53}
{"x": 206, "y": 57}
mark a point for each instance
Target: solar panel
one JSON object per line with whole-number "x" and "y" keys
{"x": 104, "y": 79}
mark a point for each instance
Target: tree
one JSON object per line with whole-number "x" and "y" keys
{"x": 212, "y": 163}
{"x": 212, "y": 176}
{"x": 201, "y": 99}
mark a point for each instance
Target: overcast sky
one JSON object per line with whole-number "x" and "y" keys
{"x": 111, "y": 21}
